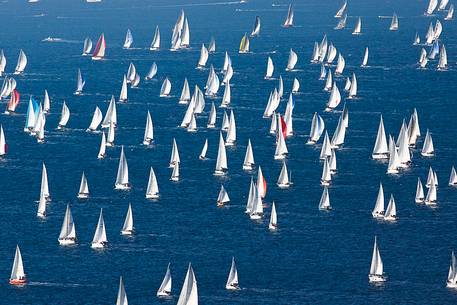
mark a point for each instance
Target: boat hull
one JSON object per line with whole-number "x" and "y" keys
{"x": 374, "y": 278}
{"x": 83, "y": 195}
{"x": 98, "y": 245}
{"x": 18, "y": 282}
{"x": 122, "y": 186}
{"x": 152, "y": 196}
{"x": 66, "y": 242}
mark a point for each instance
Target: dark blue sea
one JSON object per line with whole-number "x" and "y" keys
{"x": 314, "y": 257}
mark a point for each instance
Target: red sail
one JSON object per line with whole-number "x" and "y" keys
{"x": 14, "y": 100}
{"x": 284, "y": 127}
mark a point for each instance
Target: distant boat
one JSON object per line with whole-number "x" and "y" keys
{"x": 341, "y": 22}
{"x": 100, "y": 241}
{"x": 442, "y": 5}
{"x": 212, "y": 45}
{"x": 431, "y": 197}
{"x": 174, "y": 159}
{"x": 203, "y": 57}
{"x": 256, "y": 28}
{"x": 212, "y": 117}
{"x": 189, "y": 291}
{"x": 329, "y": 81}
{"x": 175, "y": 173}
{"x": 347, "y": 84}
{"x": 3, "y": 145}
{"x": 452, "y": 274}
{"x": 289, "y": 22}
{"x": 231, "y": 133}
{"x": 176, "y": 37}
{"x": 232, "y": 280}
{"x": 227, "y": 97}
{"x": 256, "y": 211}
{"x": 431, "y": 178}
{"x": 67, "y": 234}
{"x": 165, "y": 288}
{"x": 450, "y": 13}
{"x": 221, "y": 162}
{"x": 340, "y": 65}
{"x": 185, "y": 93}
{"x": 365, "y": 58}
{"x": 124, "y": 91}
{"x": 378, "y": 211}
{"x": 442, "y": 63}
{"x": 428, "y": 150}
{"x": 358, "y": 27}
{"x": 248, "y": 163}
{"x": 332, "y": 163}
{"x": 453, "y": 177}
{"x": 131, "y": 73}
{"x": 394, "y": 23}
{"x": 2, "y": 62}
{"x": 128, "y": 40}
{"x": 324, "y": 203}
{"x": 87, "y": 46}
{"x": 420, "y": 197}
{"x": 326, "y": 177}
{"x": 155, "y": 44}
{"x": 152, "y": 191}
{"x": 339, "y": 135}
{"x": 353, "y": 88}
{"x": 79, "y": 84}
{"x": 295, "y": 86}
{"x": 227, "y": 62}
{"x": 148, "y": 137}
{"x": 417, "y": 39}
{"x": 331, "y": 54}
{"x": 44, "y": 189}
{"x": 380, "y": 150}
{"x": 21, "y": 63}
{"x": 431, "y": 7}
{"x": 99, "y": 52}
{"x": 96, "y": 120}
{"x": 202, "y": 155}
{"x": 111, "y": 114}
{"x": 413, "y": 129}
{"x": 166, "y": 88}
{"x": 281, "y": 150}
{"x": 376, "y": 274}
{"x": 101, "y": 152}
{"x": 41, "y": 212}
{"x": 122, "y": 179}
{"x": 391, "y": 211}
{"x": 342, "y": 10}
{"x": 244, "y": 44}
{"x": 283, "y": 180}
{"x": 152, "y": 72}
{"x": 17, "y": 272}
{"x": 293, "y": 58}
{"x": 423, "y": 60}
{"x": 127, "y": 228}
{"x": 334, "y": 99}
{"x": 121, "y": 294}
{"x": 111, "y": 134}
{"x": 83, "y": 188}
{"x": 64, "y": 116}
{"x": 317, "y": 128}
{"x": 273, "y": 225}
{"x": 315, "y": 55}
{"x": 14, "y": 100}
{"x": 223, "y": 197}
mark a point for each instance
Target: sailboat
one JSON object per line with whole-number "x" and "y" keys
{"x": 152, "y": 191}
{"x": 281, "y": 150}
{"x": 289, "y": 22}
{"x": 244, "y": 44}
{"x": 340, "y": 64}
{"x": 128, "y": 40}
{"x": 221, "y": 162}
{"x": 165, "y": 288}
{"x": 450, "y": 13}
{"x": 417, "y": 39}
{"x": 203, "y": 57}
{"x": 148, "y": 137}
{"x": 452, "y": 274}
{"x": 376, "y": 274}
{"x": 44, "y": 189}
{"x": 232, "y": 280}
{"x": 431, "y": 197}
{"x": 223, "y": 197}
{"x": 295, "y": 86}
{"x": 256, "y": 211}
{"x": 189, "y": 291}
{"x": 102, "y": 151}
{"x": 2, "y": 62}
{"x": 127, "y": 228}
{"x": 431, "y": 7}
{"x": 99, "y": 52}
{"x": 121, "y": 294}
{"x": 83, "y": 188}
{"x": 175, "y": 173}
{"x": 292, "y": 61}
{"x": 358, "y": 27}
{"x": 96, "y": 120}
{"x": 342, "y": 10}
{"x": 174, "y": 159}
{"x": 231, "y": 133}
{"x": 442, "y": 63}
{"x": 283, "y": 180}
{"x": 166, "y": 88}
{"x": 67, "y": 234}
{"x": 99, "y": 241}
{"x": 334, "y": 99}
{"x": 136, "y": 81}
{"x": 14, "y": 100}
{"x": 326, "y": 177}
{"x": 21, "y": 63}
{"x": 332, "y": 163}
{"x": 248, "y": 163}
{"x": 41, "y": 213}
{"x": 122, "y": 179}
{"x": 79, "y": 84}
{"x": 391, "y": 211}
{"x": 324, "y": 203}
{"x": 123, "y": 95}
{"x": 420, "y": 197}
{"x": 192, "y": 127}
{"x": 17, "y": 272}
{"x": 423, "y": 59}
{"x": 256, "y": 28}
{"x": 273, "y": 224}
{"x": 328, "y": 81}
{"x": 64, "y": 117}
{"x": 3, "y": 145}
{"x": 111, "y": 131}
{"x": 131, "y": 72}
{"x": 442, "y": 5}
{"x": 212, "y": 117}
{"x": 341, "y": 22}
{"x": 155, "y": 44}
{"x": 185, "y": 93}
{"x": 431, "y": 178}
{"x": 212, "y": 45}
{"x": 317, "y": 128}
{"x": 331, "y": 54}
{"x": 152, "y": 72}
{"x": 453, "y": 177}
{"x": 394, "y": 23}
{"x": 111, "y": 114}
{"x": 365, "y": 58}
{"x": 378, "y": 211}
{"x": 202, "y": 155}
{"x": 428, "y": 150}
{"x": 339, "y": 134}
{"x": 87, "y": 46}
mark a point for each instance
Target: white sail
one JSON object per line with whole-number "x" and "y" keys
{"x": 391, "y": 211}
{"x": 155, "y": 44}
{"x": 329, "y": 81}
{"x": 152, "y": 191}
{"x": 2, "y": 62}
{"x": 353, "y": 88}
{"x": 41, "y": 206}
{"x": 283, "y": 179}
{"x": 394, "y": 23}
{"x": 203, "y": 57}
{"x": 227, "y": 62}
{"x": 223, "y": 197}
{"x": 128, "y": 40}
{"x": 123, "y": 95}
{"x": 380, "y": 150}
{"x": 442, "y": 5}
{"x": 101, "y": 152}
{"x": 67, "y": 234}
{"x": 289, "y": 22}
{"x": 192, "y": 127}
{"x": 365, "y": 58}
{"x": 111, "y": 134}
{"x": 127, "y": 228}
{"x": 111, "y": 114}
{"x": 358, "y": 27}
{"x": 341, "y": 63}
{"x": 148, "y": 137}
{"x": 175, "y": 173}
{"x": 21, "y": 63}
{"x": 99, "y": 52}
{"x": 204, "y": 150}
{"x": 431, "y": 7}
{"x": 165, "y": 288}
{"x": 212, "y": 45}
{"x": 83, "y": 188}
{"x": 121, "y": 294}
{"x": 413, "y": 128}
{"x": 431, "y": 197}
{"x": 341, "y": 11}
{"x": 96, "y": 119}
{"x": 423, "y": 60}
{"x": 420, "y": 197}
{"x": 79, "y": 83}
{"x": 248, "y": 163}
{"x": 166, "y": 88}
{"x": 450, "y": 13}
{"x": 185, "y": 34}
{"x": 270, "y": 68}
{"x": 257, "y": 206}
{"x": 273, "y": 225}
{"x": 452, "y": 274}
{"x": 231, "y": 133}
{"x": 324, "y": 203}
{"x": 256, "y": 28}
{"x": 189, "y": 291}
{"x": 326, "y": 150}
{"x": 17, "y": 272}
{"x": 122, "y": 178}
{"x": 152, "y": 72}
{"x": 334, "y": 99}
{"x": 131, "y": 72}
{"x": 295, "y": 86}
{"x": 341, "y": 22}
{"x": 331, "y": 54}
{"x": 442, "y": 63}
{"x": 326, "y": 176}
{"x": 378, "y": 211}
{"x": 232, "y": 280}
{"x": 428, "y": 150}
{"x": 221, "y": 162}
{"x": 317, "y": 128}
{"x": 185, "y": 93}
{"x": 64, "y": 117}
{"x": 292, "y": 61}
{"x": 339, "y": 134}
{"x": 212, "y": 117}
{"x": 174, "y": 159}
{"x": 100, "y": 240}
{"x": 274, "y": 124}
{"x": 453, "y": 177}
{"x": 44, "y": 190}
{"x": 376, "y": 268}
{"x": 3, "y": 145}
{"x": 315, "y": 55}
{"x": 281, "y": 150}
{"x": 244, "y": 44}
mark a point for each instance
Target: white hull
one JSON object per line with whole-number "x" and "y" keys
{"x": 210, "y": 126}
{"x": 451, "y": 285}
{"x": 122, "y": 187}
{"x": 422, "y": 200}
{"x": 376, "y": 278}
{"x": 219, "y": 173}
{"x": 283, "y": 185}
{"x": 428, "y": 154}
{"x": 66, "y": 242}
{"x": 255, "y": 216}
{"x": 153, "y": 196}
{"x": 249, "y": 167}
{"x": 174, "y": 179}
{"x": 325, "y": 182}
{"x": 83, "y": 195}
{"x": 97, "y": 245}
{"x": 380, "y": 156}
{"x": 163, "y": 293}
{"x": 272, "y": 227}
{"x": 127, "y": 232}
{"x": 280, "y": 157}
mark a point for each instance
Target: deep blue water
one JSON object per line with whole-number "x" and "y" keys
{"x": 315, "y": 257}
